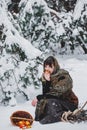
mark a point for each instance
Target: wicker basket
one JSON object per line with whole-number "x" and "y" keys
{"x": 21, "y": 116}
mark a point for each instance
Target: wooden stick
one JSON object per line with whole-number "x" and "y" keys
{"x": 21, "y": 118}
{"x": 83, "y": 105}
{"x": 81, "y": 108}
{"x": 75, "y": 112}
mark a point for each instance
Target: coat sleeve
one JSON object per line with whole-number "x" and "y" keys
{"x": 61, "y": 83}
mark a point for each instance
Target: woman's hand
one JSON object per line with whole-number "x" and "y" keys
{"x": 34, "y": 102}
{"x": 46, "y": 75}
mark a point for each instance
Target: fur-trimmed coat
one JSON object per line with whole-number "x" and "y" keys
{"x": 60, "y": 86}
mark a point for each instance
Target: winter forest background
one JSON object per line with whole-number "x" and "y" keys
{"x": 30, "y": 30}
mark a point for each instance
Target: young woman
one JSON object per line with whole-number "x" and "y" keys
{"x": 57, "y": 96}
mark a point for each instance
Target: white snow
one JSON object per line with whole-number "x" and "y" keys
{"x": 78, "y": 8}
{"x": 77, "y": 69}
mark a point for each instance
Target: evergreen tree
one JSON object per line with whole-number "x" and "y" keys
{"x": 37, "y": 26}
{"x": 19, "y": 72}
{"x": 75, "y": 35}
{"x": 61, "y": 5}
{"x": 47, "y": 30}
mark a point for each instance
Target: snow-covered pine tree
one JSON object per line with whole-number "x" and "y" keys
{"x": 18, "y": 73}
{"x": 73, "y": 36}
{"x": 80, "y": 26}
{"x": 61, "y": 5}
{"x": 20, "y": 62}
{"x": 19, "y": 65}
{"x": 37, "y": 26}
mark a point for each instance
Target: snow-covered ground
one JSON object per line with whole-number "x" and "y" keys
{"x": 77, "y": 69}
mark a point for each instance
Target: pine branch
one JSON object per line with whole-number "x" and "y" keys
{"x": 82, "y": 107}
{"x": 56, "y": 14}
{"x": 78, "y": 115}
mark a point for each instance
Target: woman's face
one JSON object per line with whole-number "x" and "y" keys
{"x": 50, "y": 69}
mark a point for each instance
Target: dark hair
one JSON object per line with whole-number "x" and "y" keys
{"x": 51, "y": 61}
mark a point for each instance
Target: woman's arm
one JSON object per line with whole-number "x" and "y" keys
{"x": 61, "y": 83}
